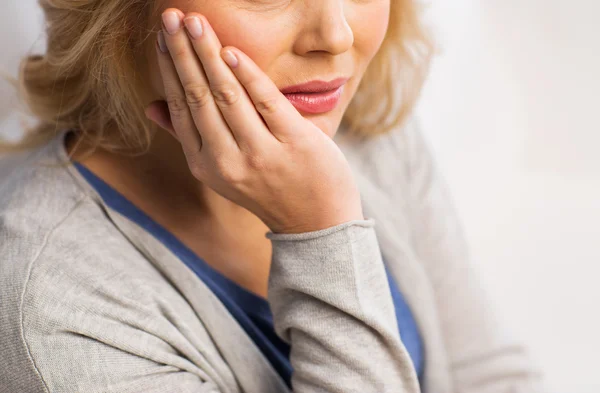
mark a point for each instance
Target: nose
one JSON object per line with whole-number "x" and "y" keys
{"x": 325, "y": 28}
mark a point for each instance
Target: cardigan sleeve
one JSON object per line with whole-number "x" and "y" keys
{"x": 331, "y": 302}
{"x": 483, "y": 357}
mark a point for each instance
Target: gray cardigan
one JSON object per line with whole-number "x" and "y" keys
{"x": 90, "y": 302}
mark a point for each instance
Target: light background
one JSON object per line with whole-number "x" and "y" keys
{"x": 511, "y": 110}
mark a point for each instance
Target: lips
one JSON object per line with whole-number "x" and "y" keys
{"x": 315, "y": 102}
{"x": 316, "y": 96}
{"x": 315, "y": 86}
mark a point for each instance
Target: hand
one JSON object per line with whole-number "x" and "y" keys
{"x": 243, "y": 138}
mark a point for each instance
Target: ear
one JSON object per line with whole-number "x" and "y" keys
{"x": 158, "y": 112}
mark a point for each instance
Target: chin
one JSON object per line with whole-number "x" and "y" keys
{"x": 327, "y": 122}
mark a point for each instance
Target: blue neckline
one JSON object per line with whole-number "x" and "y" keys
{"x": 120, "y": 203}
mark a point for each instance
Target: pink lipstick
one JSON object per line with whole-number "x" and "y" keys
{"x": 315, "y": 96}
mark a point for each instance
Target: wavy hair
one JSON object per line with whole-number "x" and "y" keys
{"x": 87, "y": 79}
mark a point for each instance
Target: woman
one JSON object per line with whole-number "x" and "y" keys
{"x": 234, "y": 203}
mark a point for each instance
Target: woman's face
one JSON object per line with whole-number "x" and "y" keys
{"x": 295, "y": 41}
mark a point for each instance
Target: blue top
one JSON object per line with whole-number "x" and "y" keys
{"x": 251, "y": 311}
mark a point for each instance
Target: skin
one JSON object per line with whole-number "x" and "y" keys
{"x": 246, "y": 170}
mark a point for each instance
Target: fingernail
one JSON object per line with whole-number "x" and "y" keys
{"x": 194, "y": 26}
{"x": 230, "y": 58}
{"x": 171, "y": 22}
{"x": 162, "y": 45}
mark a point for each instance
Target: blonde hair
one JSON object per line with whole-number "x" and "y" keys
{"x": 87, "y": 80}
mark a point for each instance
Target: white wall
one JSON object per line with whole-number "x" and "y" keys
{"x": 21, "y": 25}
{"x": 511, "y": 108}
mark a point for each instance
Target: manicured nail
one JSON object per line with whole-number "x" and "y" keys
{"x": 194, "y": 26}
{"x": 171, "y": 21}
{"x": 230, "y": 58}
{"x": 162, "y": 45}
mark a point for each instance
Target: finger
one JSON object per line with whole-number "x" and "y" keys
{"x": 230, "y": 96}
{"x": 281, "y": 117}
{"x": 195, "y": 89}
{"x": 181, "y": 118}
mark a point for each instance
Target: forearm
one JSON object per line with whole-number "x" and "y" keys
{"x": 330, "y": 299}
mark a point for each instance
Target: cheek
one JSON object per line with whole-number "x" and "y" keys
{"x": 370, "y": 28}
{"x": 260, "y": 41}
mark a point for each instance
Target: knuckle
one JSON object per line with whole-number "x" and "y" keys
{"x": 266, "y": 106}
{"x": 179, "y": 51}
{"x": 197, "y": 95}
{"x": 227, "y": 171}
{"x": 256, "y": 162}
{"x": 177, "y": 104}
{"x": 198, "y": 170}
{"x": 226, "y": 94}
{"x": 230, "y": 177}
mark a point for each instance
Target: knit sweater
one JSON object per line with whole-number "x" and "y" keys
{"x": 91, "y": 302}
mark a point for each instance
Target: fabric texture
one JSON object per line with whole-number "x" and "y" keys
{"x": 92, "y": 302}
{"x": 252, "y": 312}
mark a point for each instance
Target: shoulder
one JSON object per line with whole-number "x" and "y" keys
{"x": 394, "y": 161}
{"x": 410, "y": 146}
{"x": 57, "y": 239}
{"x": 82, "y": 307}
{"x": 48, "y": 221}
{"x": 72, "y": 286}
{"x": 34, "y": 201}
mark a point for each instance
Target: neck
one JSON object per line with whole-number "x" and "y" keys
{"x": 225, "y": 235}
{"x": 161, "y": 184}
